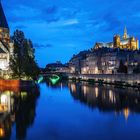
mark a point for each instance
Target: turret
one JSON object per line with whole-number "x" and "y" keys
{"x": 116, "y": 41}
{"x": 4, "y": 28}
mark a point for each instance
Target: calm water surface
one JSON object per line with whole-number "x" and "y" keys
{"x": 71, "y": 111}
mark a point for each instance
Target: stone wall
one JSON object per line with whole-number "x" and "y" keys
{"x": 128, "y": 78}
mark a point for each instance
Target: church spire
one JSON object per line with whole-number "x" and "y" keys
{"x": 125, "y": 30}
{"x": 125, "y": 36}
{"x": 3, "y": 21}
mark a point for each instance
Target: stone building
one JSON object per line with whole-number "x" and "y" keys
{"x": 76, "y": 62}
{"x": 105, "y": 61}
{"x": 6, "y": 45}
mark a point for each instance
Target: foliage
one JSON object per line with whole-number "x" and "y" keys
{"x": 122, "y": 68}
{"x": 137, "y": 69}
{"x": 22, "y": 62}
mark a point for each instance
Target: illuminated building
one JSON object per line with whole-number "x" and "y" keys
{"x": 125, "y": 42}
{"x": 6, "y": 46}
{"x": 106, "y": 58}
{"x": 105, "y": 61}
{"x": 6, "y": 102}
{"x": 76, "y": 63}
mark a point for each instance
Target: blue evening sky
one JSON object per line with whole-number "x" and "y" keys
{"x": 61, "y": 28}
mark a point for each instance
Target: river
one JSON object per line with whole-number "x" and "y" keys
{"x": 70, "y": 111}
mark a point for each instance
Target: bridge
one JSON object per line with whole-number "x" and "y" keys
{"x": 54, "y": 77}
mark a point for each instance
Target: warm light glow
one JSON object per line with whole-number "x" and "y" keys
{"x": 96, "y": 70}
{"x": 96, "y": 92}
{"x": 73, "y": 88}
{"x": 72, "y": 69}
{"x": 3, "y": 99}
{"x": 23, "y": 94}
{"x": 111, "y": 96}
{"x": 2, "y": 133}
{"x": 126, "y": 113}
{"x": 85, "y": 90}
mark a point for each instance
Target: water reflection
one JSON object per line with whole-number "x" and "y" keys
{"x": 106, "y": 98}
{"x": 59, "y": 85}
{"x": 17, "y": 107}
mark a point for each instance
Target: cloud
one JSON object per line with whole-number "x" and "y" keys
{"x": 51, "y": 10}
{"x": 71, "y": 22}
{"x": 56, "y": 24}
{"x": 49, "y": 14}
{"x": 36, "y": 45}
{"x": 69, "y": 13}
{"x": 23, "y": 13}
{"x": 112, "y": 21}
{"x": 20, "y": 27}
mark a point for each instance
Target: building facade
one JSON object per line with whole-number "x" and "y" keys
{"x": 6, "y": 45}
{"x": 75, "y": 64}
{"x": 105, "y": 61}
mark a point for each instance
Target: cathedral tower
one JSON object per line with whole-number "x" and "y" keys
{"x": 4, "y": 28}
{"x": 116, "y": 41}
{"x": 125, "y": 36}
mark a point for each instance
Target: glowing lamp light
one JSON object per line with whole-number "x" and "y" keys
{"x": 40, "y": 79}
{"x": 54, "y": 79}
{"x": 96, "y": 70}
{"x": 23, "y": 94}
{"x": 2, "y": 133}
{"x": 3, "y": 99}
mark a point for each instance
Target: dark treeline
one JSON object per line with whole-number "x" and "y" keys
{"x": 22, "y": 62}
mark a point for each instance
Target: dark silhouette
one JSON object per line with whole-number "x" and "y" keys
{"x": 122, "y": 68}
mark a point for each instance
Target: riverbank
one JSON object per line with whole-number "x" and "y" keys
{"x": 16, "y": 83}
{"x": 120, "y": 80}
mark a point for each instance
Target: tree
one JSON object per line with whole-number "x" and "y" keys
{"x": 137, "y": 69}
{"x": 22, "y": 62}
{"x": 122, "y": 68}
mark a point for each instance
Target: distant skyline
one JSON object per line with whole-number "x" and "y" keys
{"x": 61, "y": 28}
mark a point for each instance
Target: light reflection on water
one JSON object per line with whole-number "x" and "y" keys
{"x": 17, "y": 108}
{"x": 68, "y": 111}
{"x": 107, "y": 98}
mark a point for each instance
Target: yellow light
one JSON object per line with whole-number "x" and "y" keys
{"x": 23, "y": 94}
{"x": 85, "y": 90}
{"x": 126, "y": 113}
{"x": 73, "y": 88}
{"x": 96, "y": 70}
{"x": 2, "y": 133}
{"x": 96, "y": 92}
{"x": 3, "y": 99}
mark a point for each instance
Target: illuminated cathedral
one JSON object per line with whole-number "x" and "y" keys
{"x": 126, "y": 42}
